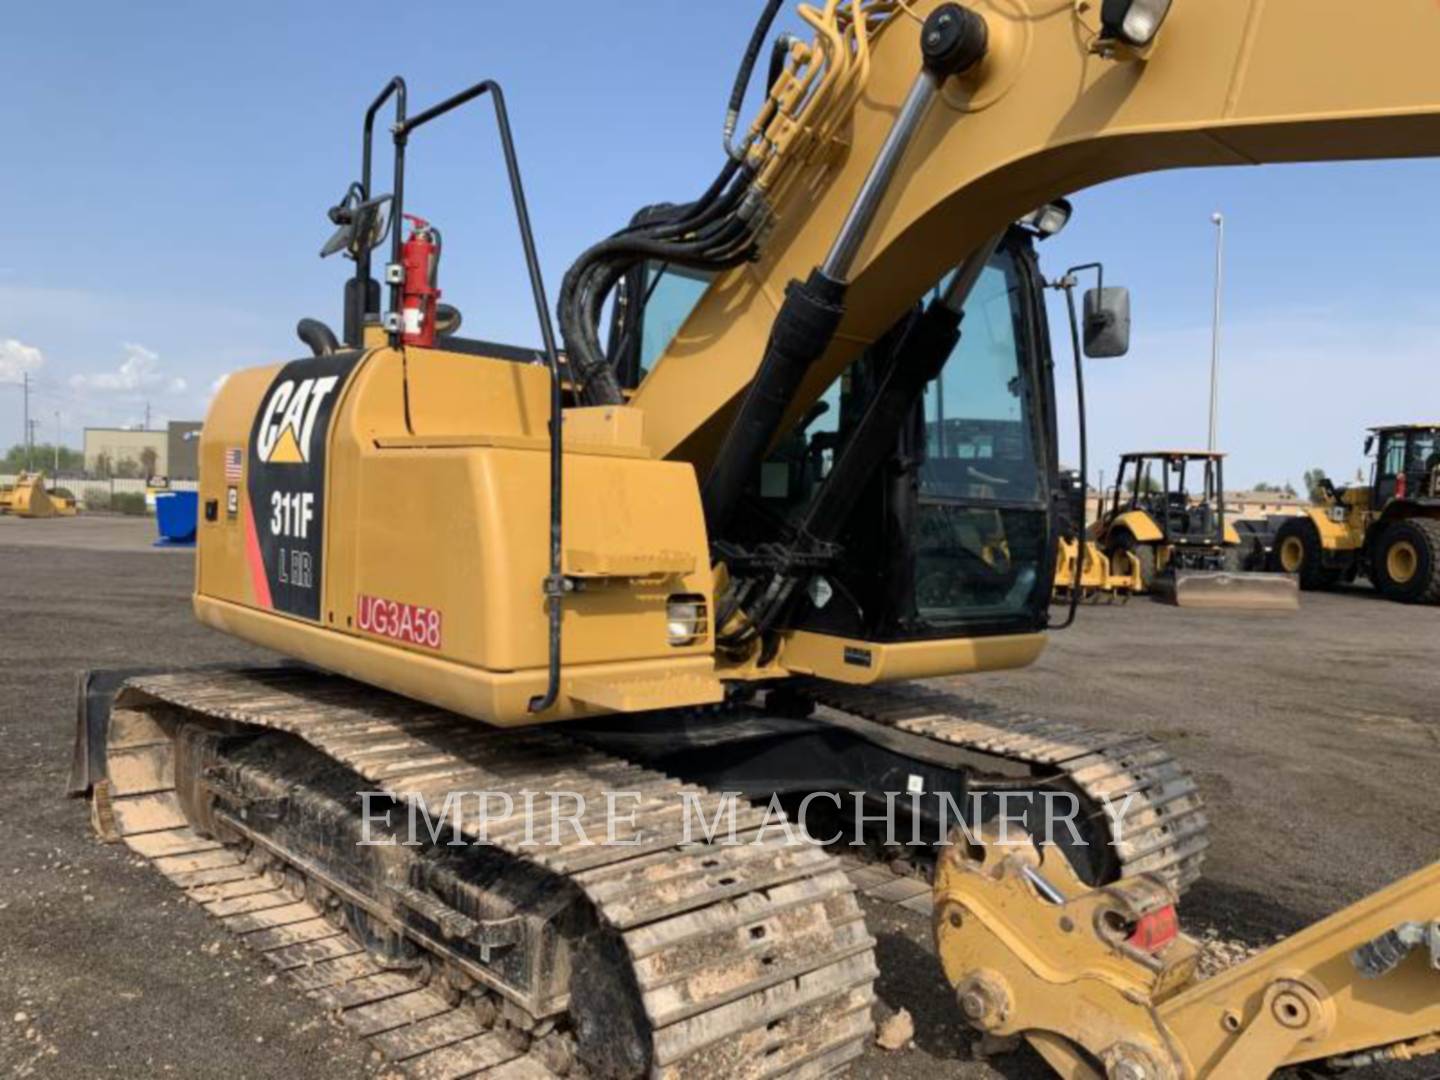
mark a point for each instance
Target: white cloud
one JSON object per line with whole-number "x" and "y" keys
{"x": 16, "y": 358}
{"x": 140, "y": 370}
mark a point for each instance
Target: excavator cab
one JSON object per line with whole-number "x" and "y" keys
{"x": 951, "y": 535}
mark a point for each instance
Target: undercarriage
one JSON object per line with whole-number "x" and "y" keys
{"x": 356, "y": 839}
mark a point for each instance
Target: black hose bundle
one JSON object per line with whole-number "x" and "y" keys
{"x": 714, "y": 233}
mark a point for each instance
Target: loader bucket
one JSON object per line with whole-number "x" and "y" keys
{"x": 1222, "y": 589}
{"x": 29, "y": 499}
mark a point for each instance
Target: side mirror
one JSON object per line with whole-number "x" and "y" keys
{"x": 1107, "y": 323}
{"x": 360, "y": 227}
{"x": 1369, "y": 444}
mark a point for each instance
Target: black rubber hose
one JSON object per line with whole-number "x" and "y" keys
{"x": 723, "y": 244}
{"x": 802, "y": 331}
{"x": 317, "y": 337}
{"x": 747, "y": 70}
{"x": 585, "y": 297}
{"x": 779, "y": 53}
{"x": 579, "y": 317}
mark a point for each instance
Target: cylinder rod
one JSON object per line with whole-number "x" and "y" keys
{"x": 841, "y": 260}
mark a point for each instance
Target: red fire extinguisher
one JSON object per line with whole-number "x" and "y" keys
{"x": 421, "y": 259}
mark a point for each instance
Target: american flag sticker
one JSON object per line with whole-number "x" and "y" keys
{"x": 234, "y": 464}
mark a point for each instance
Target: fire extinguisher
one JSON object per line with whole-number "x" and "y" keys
{"x": 421, "y": 259}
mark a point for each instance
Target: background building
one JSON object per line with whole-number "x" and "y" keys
{"x": 126, "y": 453}
{"x": 132, "y": 453}
{"x": 183, "y": 450}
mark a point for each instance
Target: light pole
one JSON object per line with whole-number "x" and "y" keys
{"x": 1219, "y": 221}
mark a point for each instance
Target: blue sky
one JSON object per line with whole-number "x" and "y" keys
{"x": 168, "y": 167}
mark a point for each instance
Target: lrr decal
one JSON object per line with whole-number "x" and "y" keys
{"x": 286, "y": 481}
{"x": 405, "y": 623}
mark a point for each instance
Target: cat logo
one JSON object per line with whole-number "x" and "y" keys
{"x": 288, "y": 420}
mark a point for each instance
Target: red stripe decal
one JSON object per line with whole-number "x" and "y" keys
{"x": 259, "y": 580}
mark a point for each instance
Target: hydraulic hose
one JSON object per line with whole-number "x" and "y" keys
{"x": 746, "y": 72}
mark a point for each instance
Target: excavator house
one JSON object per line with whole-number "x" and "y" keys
{"x": 810, "y": 459}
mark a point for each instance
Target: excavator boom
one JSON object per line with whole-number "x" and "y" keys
{"x": 1050, "y": 110}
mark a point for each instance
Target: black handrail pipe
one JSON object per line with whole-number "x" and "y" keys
{"x": 362, "y": 295}
{"x": 555, "y": 585}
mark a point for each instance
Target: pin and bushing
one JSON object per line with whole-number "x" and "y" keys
{"x": 954, "y": 39}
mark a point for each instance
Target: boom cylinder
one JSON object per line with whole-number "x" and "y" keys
{"x": 953, "y": 39}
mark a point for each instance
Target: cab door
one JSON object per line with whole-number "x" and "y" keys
{"x": 1389, "y": 465}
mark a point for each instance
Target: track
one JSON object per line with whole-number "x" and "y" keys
{"x": 751, "y": 960}
{"x": 1150, "y": 804}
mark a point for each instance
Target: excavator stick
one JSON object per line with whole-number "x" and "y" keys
{"x": 1105, "y": 975}
{"x": 1229, "y": 590}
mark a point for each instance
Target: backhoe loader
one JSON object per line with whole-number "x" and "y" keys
{"x": 705, "y": 555}
{"x": 1168, "y": 518}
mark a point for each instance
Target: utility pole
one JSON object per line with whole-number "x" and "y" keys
{"x": 1219, "y": 221}
{"x": 25, "y": 382}
{"x": 147, "y": 417}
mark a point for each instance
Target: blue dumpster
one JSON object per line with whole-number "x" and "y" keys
{"x": 176, "y": 514}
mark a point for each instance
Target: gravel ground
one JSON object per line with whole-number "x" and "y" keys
{"x": 1314, "y": 738}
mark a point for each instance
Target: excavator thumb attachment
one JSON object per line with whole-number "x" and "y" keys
{"x": 1229, "y": 589}
{"x": 1103, "y": 983}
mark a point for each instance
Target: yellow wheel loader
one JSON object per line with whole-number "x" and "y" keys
{"x": 1168, "y": 517}
{"x": 29, "y": 498}
{"x": 1387, "y": 530}
{"x": 546, "y": 615}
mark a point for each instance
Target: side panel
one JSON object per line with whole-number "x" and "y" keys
{"x": 221, "y": 564}
{"x": 1335, "y": 535}
{"x": 464, "y": 531}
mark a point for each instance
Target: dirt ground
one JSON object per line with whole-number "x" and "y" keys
{"x": 1314, "y": 737}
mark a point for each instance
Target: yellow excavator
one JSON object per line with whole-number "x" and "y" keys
{"x": 705, "y": 554}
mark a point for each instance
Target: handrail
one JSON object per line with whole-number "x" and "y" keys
{"x": 555, "y": 584}
{"x": 395, "y": 87}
